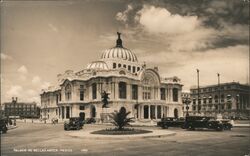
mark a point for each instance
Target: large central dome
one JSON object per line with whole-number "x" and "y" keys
{"x": 119, "y": 52}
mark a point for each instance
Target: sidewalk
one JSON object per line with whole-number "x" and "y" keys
{"x": 241, "y": 125}
{"x": 11, "y": 127}
{"x": 87, "y": 134}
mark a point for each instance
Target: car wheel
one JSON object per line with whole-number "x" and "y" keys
{"x": 219, "y": 128}
{"x": 164, "y": 127}
{"x": 190, "y": 127}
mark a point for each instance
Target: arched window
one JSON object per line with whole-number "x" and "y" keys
{"x": 133, "y": 69}
{"x": 94, "y": 90}
{"x": 138, "y": 68}
{"x": 114, "y": 65}
{"x": 176, "y": 114}
{"x": 122, "y": 90}
{"x": 129, "y": 68}
{"x": 146, "y": 89}
{"x": 134, "y": 92}
{"x": 175, "y": 94}
{"x": 68, "y": 92}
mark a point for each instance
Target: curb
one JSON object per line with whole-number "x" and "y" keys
{"x": 12, "y": 127}
{"x": 121, "y": 137}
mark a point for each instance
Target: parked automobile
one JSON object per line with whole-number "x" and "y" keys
{"x": 171, "y": 122}
{"x": 90, "y": 120}
{"x": 226, "y": 124}
{"x": 73, "y": 123}
{"x": 193, "y": 122}
{"x": 3, "y": 125}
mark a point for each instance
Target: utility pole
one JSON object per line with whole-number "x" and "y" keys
{"x": 198, "y": 90}
{"x": 219, "y": 91}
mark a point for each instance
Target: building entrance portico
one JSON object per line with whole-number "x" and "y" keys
{"x": 151, "y": 111}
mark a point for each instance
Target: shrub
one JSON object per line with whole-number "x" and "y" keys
{"x": 120, "y": 119}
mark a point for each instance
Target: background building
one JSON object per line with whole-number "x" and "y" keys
{"x": 21, "y": 109}
{"x": 230, "y": 99}
{"x": 130, "y": 84}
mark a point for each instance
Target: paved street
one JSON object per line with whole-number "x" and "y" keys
{"x": 34, "y": 139}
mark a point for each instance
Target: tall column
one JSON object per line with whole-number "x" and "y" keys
{"x": 171, "y": 94}
{"x": 128, "y": 89}
{"x": 65, "y": 111}
{"x": 162, "y": 111}
{"x": 71, "y": 111}
{"x": 179, "y": 95}
{"x": 142, "y": 111}
{"x": 112, "y": 86}
{"x": 139, "y": 92}
{"x": 149, "y": 112}
{"x": 116, "y": 92}
{"x": 156, "y": 112}
{"x": 168, "y": 94}
{"x": 98, "y": 94}
{"x": 159, "y": 93}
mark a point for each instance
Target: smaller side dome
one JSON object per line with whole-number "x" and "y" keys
{"x": 101, "y": 65}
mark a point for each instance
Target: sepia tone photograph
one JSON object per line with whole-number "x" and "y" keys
{"x": 124, "y": 78}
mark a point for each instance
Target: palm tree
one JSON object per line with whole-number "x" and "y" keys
{"x": 120, "y": 119}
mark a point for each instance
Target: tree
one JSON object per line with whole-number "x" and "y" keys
{"x": 120, "y": 119}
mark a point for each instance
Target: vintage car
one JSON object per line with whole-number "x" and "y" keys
{"x": 171, "y": 122}
{"x": 194, "y": 122}
{"x": 226, "y": 124}
{"x": 3, "y": 125}
{"x": 73, "y": 123}
{"x": 90, "y": 121}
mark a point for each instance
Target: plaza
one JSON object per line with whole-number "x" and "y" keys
{"x": 31, "y": 139}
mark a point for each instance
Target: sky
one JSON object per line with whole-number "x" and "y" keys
{"x": 40, "y": 39}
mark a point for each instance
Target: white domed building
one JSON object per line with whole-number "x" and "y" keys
{"x": 130, "y": 84}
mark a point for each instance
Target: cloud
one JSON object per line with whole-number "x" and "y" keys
{"x": 189, "y": 25}
{"x": 5, "y": 57}
{"x": 53, "y": 27}
{"x": 123, "y": 16}
{"x": 231, "y": 62}
{"x": 36, "y": 80}
{"x": 22, "y": 70}
{"x": 15, "y": 91}
{"x": 160, "y": 20}
{"x": 45, "y": 85}
{"x": 23, "y": 95}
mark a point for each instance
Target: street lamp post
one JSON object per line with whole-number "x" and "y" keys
{"x": 219, "y": 116}
{"x": 219, "y": 91}
{"x": 187, "y": 101}
{"x": 198, "y": 89}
